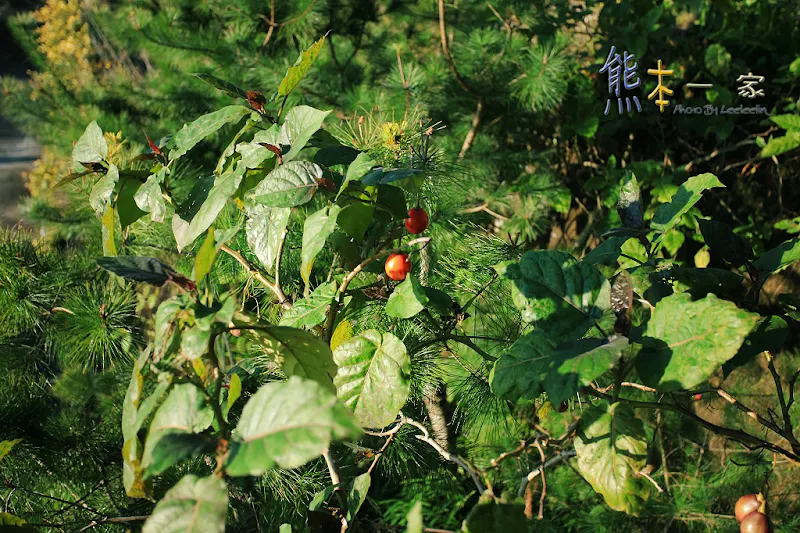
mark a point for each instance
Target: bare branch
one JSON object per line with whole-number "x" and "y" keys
{"x": 533, "y": 474}
{"x": 276, "y": 290}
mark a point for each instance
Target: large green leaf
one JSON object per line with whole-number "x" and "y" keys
{"x": 768, "y": 334}
{"x": 316, "y": 230}
{"x": 780, "y": 145}
{"x": 300, "y": 68}
{"x": 300, "y": 124}
{"x": 254, "y": 153}
{"x": 287, "y": 424}
{"x": 184, "y": 411}
{"x": 132, "y": 471}
{"x": 496, "y": 517}
{"x": 355, "y": 218}
{"x": 150, "y": 198}
{"x": 175, "y": 447}
{"x": 289, "y": 185}
{"x": 202, "y": 127}
{"x": 373, "y": 376}
{"x": 783, "y": 255}
{"x": 299, "y": 353}
{"x": 204, "y": 259}
{"x": 557, "y": 293}
{"x": 611, "y": 446}
{"x": 534, "y": 364}
{"x": 408, "y": 299}
{"x": 193, "y": 505}
{"x": 607, "y": 252}
{"x": 264, "y": 229}
{"x": 224, "y": 187}
{"x": 357, "y": 169}
{"x": 356, "y": 494}
{"x": 685, "y": 341}
{"x": 629, "y": 204}
{"x": 91, "y": 147}
{"x": 311, "y": 310}
{"x": 689, "y": 193}
{"x": 103, "y": 191}
{"x": 787, "y": 122}
{"x": 125, "y": 203}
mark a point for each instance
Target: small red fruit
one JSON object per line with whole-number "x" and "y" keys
{"x": 417, "y": 220}
{"x": 397, "y": 266}
{"x": 747, "y": 504}
{"x": 697, "y": 397}
{"x": 755, "y": 522}
{"x": 563, "y": 407}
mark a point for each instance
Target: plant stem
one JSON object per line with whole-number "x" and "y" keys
{"x": 274, "y": 287}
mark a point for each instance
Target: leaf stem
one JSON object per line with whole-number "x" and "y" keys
{"x": 274, "y": 287}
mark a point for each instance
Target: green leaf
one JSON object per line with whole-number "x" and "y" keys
{"x": 227, "y": 87}
{"x": 107, "y": 230}
{"x": 373, "y": 377}
{"x": 194, "y": 343}
{"x": 125, "y": 204}
{"x": 285, "y": 528}
{"x": 686, "y": 341}
{"x": 357, "y": 169}
{"x": 300, "y": 124}
{"x": 150, "y": 198}
{"x": 300, "y": 68}
{"x": 132, "y": 472}
{"x": 264, "y": 229}
{"x": 414, "y": 518}
{"x": 611, "y": 446}
{"x": 689, "y": 193}
{"x": 721, "y": 239}
{"x": 224, "y": 187}
{"x": 768, "y": 334}
{"x": 136, "y": 268}
{"x": 202, "y": 127}
{"x": 780, "y": 145}
{"x": 299, "y": 353}
{"x": 221, "y": 311}
{"x": 382, "y": 176}
{"x": 356, "y": 494}
{"x": 407, "y": 300}
{"x": 787, "y": 122}
{"x": 204, "y": 259}
{"x": 629, "y": 204}
{"x": 193, "y": 505}
{"x": 234, "y": 389}
{"x": 5, "y": 447}
{"x": 102, "y": 192}
{"x": 175, "y": 447}
{"x": 557, "y": 293}
{"x": 701, "y": 281}
{"x": 316, "y": 230}
{"x": 289, "y": 185}
{"x": 311, "y": 310}
{"x": 91, "y": 147}
{"x": 607, "y": 252}
{"x": 775, "y": 259}
{"x": 355, "y": 218}
{"x": 184, "y": 411}
{"x": 534, "y": 364}
{"x": 287, "y": 424}
{"x": 496, "y": 517}
{"x": 717, "y": 59}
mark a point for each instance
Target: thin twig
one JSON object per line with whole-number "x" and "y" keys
{"x": 392, "y": 433}
{"x": 544, "y": 479}
{"x": 446, "y": 48}
{"x": 788, "y": 431}
{"x": 276, "y": 290}
{"x": 470, "y": 138}
{"x": 533, "y": 474}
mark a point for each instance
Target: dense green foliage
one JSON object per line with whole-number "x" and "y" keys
{"x": 258, "y": 370}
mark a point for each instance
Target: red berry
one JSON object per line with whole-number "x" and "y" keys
{"x": 746, "y": 505}
{"x": 755, "y": 522}
{"x": 397, "y": 266}
{"x": 697, "y": 397}
{"x": 417, "y": 220}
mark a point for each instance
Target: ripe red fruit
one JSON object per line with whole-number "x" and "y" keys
{"x": 417, "y": 220}
{"x": 563, "y": 407}
{"x": 755, "y": 522}
{"x": 747, "y": 504}
{"x": 397, "y": 266}
{"x": 697, "y": 397}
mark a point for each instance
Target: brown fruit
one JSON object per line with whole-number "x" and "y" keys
{"x": 746, "y": 505}
{"x": 397, "y": 266}
{"x": 417, "y": 220}
{"x": 755, "y": 522}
